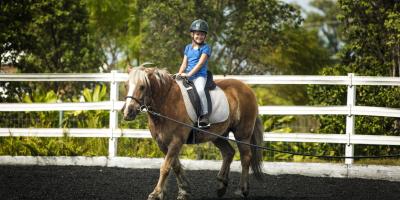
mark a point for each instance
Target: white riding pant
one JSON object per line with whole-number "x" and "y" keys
{"x": 200, "y": 84}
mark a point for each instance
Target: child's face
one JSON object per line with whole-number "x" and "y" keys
{"x": 198, "y": 36}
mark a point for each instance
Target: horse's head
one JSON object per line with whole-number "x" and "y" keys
{"x": 138, "y": 92}
{"x": 142, "y": 84}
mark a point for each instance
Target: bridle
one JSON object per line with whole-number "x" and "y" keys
{"x": 139, "y": 101}
{"x": 143, "y": 105}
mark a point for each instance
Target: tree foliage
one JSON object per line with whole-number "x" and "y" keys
{"x": 372, "y": 40}
{"x": 329, "y": 27}
{"x": 373, "y": 35}
{"x": 49, "y": 36}
{"x": 117, "y": 24}
{"x": 238, "y": 29}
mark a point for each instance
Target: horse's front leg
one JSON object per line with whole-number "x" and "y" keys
{"x": 170, "y": 157}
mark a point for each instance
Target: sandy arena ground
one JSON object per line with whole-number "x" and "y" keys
{"x": 75, "y": 182}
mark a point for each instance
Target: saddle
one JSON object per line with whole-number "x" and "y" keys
{"x": 218, "y": 107}
{"x": 194, "y": 96}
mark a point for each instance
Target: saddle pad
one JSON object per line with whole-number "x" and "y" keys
{"x": 220, "y": 106}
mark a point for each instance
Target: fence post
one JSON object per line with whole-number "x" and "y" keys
{"x": 60, "y": 116}
{"x": 350, "y": 119}
{"x": 113, "y": 124}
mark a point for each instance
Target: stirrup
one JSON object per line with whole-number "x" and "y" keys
{"x": 203, "y": 125}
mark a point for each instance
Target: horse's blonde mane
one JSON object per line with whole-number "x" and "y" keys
{"x": 162, "y": 75}
{"x": 139, "y": 74}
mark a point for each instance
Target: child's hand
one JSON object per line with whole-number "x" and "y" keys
{"x": 184, "y": 75}
{"x": 179, "y": 76}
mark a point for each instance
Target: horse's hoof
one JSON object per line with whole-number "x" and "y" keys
{"x": 182, "y": 195}
{"x": 245, "y": 193}
{"x": 221, "y": 191}
{"x": 182, "y": 198}
{"x": 153, "y": 196}
{"x": 242, "y": 193}
{"x": 222, "y": 186}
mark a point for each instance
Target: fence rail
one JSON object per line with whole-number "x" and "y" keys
{"x": 249, "y": 79}
{"x": 350, "y": 110}
{"x": 263, "y": 110}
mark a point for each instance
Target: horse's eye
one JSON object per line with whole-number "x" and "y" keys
{"x": 141, "y": 87}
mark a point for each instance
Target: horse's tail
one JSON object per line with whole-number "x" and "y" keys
{"x": 256, "y": 158}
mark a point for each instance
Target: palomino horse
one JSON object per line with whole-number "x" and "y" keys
{"x": 156, "y": 89}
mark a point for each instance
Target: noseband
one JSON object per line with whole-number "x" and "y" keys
{"x": 140, "y": 102}
{"x": 143, "y": 107}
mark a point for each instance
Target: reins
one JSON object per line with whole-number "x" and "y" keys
{"x": 145, "y": 108}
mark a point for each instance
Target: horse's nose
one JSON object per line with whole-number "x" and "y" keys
{"x": 129, "y": 117}
{"x": 130, "y": 113}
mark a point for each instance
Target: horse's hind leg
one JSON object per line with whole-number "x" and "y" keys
{"x": 227, "y": 154}
{"x": 245, "y": 158}
{"x": 183, "y": 183}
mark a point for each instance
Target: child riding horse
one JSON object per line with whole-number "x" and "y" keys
{"x": 157, "y": 90}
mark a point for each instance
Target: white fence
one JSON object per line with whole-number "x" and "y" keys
{"x": 350, "y": 110}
